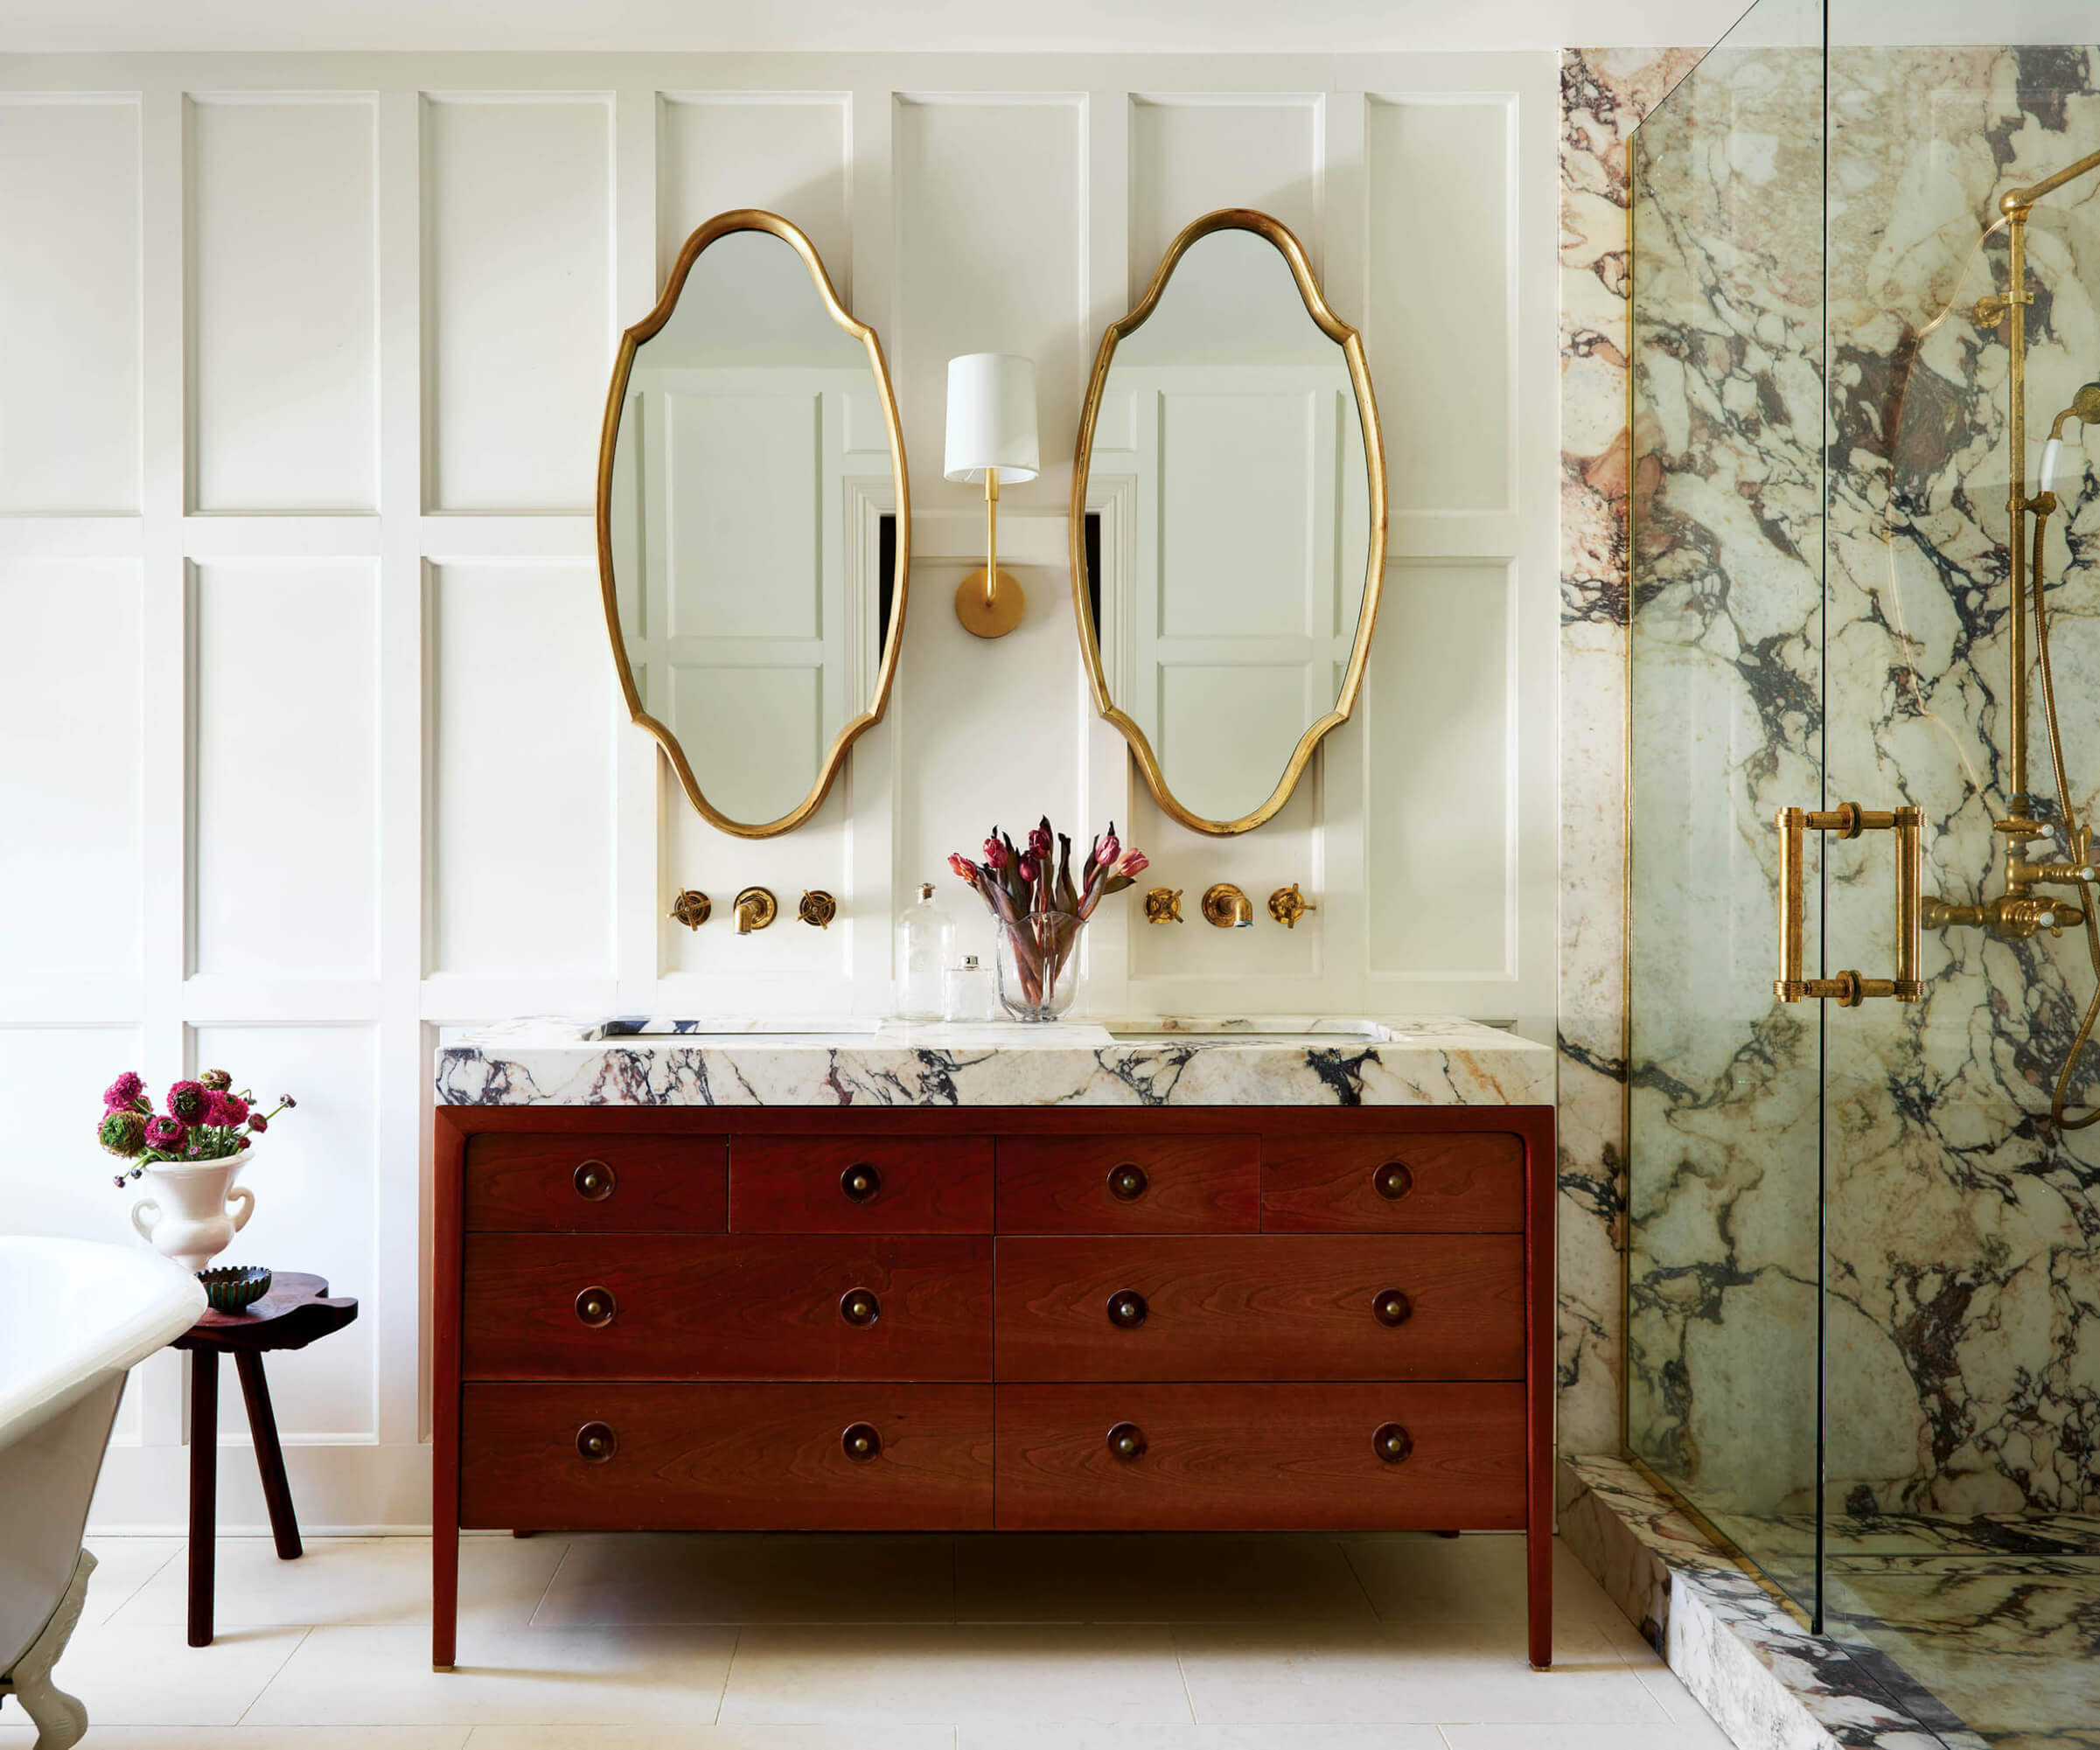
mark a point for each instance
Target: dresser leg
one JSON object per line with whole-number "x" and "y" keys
{"x": 444, "y": 1595}
{"x": 203, "y": 1490}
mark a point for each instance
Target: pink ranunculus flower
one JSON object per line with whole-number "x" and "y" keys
{"x": 257, "y": 1124}
{"x": 124, "y": 1090}
{"x": 166, "y": 1134}
{"x": 188, "y": 1102}
{"x": 217, "y": 1080}
{"x": 214, "y": 1108}
{"x": 236, "y": 1110}
{"x": 122, "y": 1132}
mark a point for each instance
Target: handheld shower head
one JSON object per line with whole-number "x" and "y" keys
{"x": 2085, "y": 408}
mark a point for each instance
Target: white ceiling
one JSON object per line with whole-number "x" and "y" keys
{"x": 1177, "y": 26}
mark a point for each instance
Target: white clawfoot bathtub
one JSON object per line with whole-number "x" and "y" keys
{"x": 74, "y": 1317}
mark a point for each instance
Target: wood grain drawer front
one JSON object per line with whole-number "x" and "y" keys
{"x": 660, "y": 1184}
{"x": 1129, "y": 1184}
{"x": 1290, "y": 1457}
{"x": 618, "y": 1458}
{"x": 1262, "y": 1307}
{"x": 826, "y": 1184}
{"x": 1471, "y": 1183}
{"x": 749, "y": 1307}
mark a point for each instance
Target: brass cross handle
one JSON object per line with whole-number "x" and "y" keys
{"x": 1288, "y": 905}
{"x": 1848, "y": 820}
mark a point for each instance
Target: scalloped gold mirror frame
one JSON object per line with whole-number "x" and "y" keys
{"x": 1286, "y": 244}
{"x": 723, "y": 225}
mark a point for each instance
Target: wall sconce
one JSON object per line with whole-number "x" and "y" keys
{"x": 991, "y": 434}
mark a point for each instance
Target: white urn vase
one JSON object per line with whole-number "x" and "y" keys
{"x": 193, "y": 1208}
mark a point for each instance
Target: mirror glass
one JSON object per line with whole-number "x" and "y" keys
{"x": 754, "y": 579}
{"x": 1230, "y": 443}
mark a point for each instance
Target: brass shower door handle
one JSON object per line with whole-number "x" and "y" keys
{"x": 1848, "y": 820}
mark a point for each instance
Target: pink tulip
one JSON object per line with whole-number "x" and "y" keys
{"x": 963, "y": 867}
{"x": 994, "y": 853}
{"x": 1134, "y": 863}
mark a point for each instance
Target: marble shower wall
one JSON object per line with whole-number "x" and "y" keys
{"x": 1963, "y": 1338}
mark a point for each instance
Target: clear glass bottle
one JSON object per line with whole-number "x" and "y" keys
{"x": 966, "y": 991}
{"x": 924, "y": 934}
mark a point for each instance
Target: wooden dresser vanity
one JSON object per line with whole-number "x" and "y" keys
{"x": 977, "y": 1318}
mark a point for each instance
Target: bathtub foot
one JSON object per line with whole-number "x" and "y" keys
{"x": 61, "y": 1720}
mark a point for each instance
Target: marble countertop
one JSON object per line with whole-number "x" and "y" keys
{"x": 1440, "y": 1060}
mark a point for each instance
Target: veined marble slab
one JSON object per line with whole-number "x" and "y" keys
{"x": 1436, "y": 1061}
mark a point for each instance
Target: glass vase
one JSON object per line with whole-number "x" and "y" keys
{"x": 1039, "y": 964}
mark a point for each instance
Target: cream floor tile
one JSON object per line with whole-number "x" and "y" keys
{"x": 148, "y": 1676}
{"x": 661, "y": 1677}
{"x": 914, "y": 1737}
{"x": 341, "y": 1581}
{"x": 970, "y": 1673}
{"x": 775, "y": 1578}
{"x": 1155, "y": 1578}
{"x": 1677, "y": 1701}
{"x": 263, "y": 1737}
{"x": 1671, "y": 1737}
{"x": 1204, "y": 1738}
{"x": 123, "y": 1564}
{"x": 1399, "y": 1673}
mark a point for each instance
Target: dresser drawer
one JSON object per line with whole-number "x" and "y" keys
{"x": 736, "y": 1307}
{"x": 1129, "y": 1184}
{"x": 826, "y": 1184}
{"x": 1289, "y": 1457}
{"x": 1261, "y": 1307}
{"x": 663, "y": 1184}
{"x": 1392, "y": 1183}
{"x": 726, "y": 1457}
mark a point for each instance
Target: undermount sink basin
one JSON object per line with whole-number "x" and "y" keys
{"x": 1266, "y": 1029}
{"x": 731, "y": 1027}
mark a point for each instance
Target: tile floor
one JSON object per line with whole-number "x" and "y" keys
{"x": 727, "y": 1642}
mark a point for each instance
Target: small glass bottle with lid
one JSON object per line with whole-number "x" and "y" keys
{"x": 966, "y": 991}
{"x": 924, "y": 935}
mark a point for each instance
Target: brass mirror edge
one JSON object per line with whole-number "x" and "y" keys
{"x": 1286, "y": 244}
{"x": 752, "y": 219}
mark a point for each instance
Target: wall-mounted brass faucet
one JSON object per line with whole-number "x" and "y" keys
{"x": 1226, "y": 907}
{"x": 818, "y": 907}
{"x": 1288, "y": 905}
{"x": 1163, "y": 905}
{"x": 755, "y": 908}
{"x": 692, "y": 907}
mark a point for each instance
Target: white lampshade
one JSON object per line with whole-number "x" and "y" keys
{"x": 992, "y": 417}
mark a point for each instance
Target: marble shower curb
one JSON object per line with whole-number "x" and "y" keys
{"x": 1769, "y": 1682}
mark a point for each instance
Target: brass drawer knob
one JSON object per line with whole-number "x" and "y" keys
{"x": 1127, "y": 1309}
{"x": 1392, "y": 1307}
{"x": 596, "y": 1442}
{"x": 1394, "y": 1181}
{"x": 1126, "y": 1182}
{"x": 594, "y": 1182}
{"x": 861, "y": 1442}
{"x": 1393, "y": 1443}
{"x": 859, "y": 1307}
{"x": 1126, "y": 1441}
{"x": 861, "y": 1182}
{"x": 595, "y": 1307}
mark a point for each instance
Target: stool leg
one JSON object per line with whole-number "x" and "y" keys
{"x": 269, "y": 1454}
{"x": 204, "y": 1489}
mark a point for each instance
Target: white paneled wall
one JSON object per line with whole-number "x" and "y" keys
{"x": 311, "y": 743}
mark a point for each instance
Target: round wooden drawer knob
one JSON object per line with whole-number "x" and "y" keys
{"x": 594, "y": 1182}
{"x": 859, "y": 1307}
{"x": 861, "y": 1442}
{"x": 1393, "y": 1443}
{"x": 1126, "y": 1182}
{"x": 1126, "y": 1441}
{"x": 1392, "y": 1307}
{"x": 596, "y": 1442}
{"x": 861, "y": 1182}
{"x": 595, "y": 1307}
{"x": 1393, "y": 1181}
{"x": 1127, "y": 1309}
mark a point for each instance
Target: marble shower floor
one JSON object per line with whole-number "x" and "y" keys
{"x": 870, "y": 1642}
{"x": 1989, "y": 1624}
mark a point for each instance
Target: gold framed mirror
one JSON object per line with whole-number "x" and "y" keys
{"x": 1230, "y": 442}
{"x": 754, "y": 525}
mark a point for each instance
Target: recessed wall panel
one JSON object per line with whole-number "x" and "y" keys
{"x": 521, "y": 786}
{"x": 1237, "y": 541}
{"x": 70, "y": 690}
{"x": 69, "y": 308}
{"x": 1226, "y": 731}
{"x": 57, "y": 1075}
{"x": 1192, "y": 155}
{"x": 785, "y": 153}
{"x": 774, "y": 715}
{"x": 745, "y": 511}
{"x": 285, "y": 845}
{"x": 316, "y": 1208}
{"x": 282, "y": 261}
{"x": 991, "y": 216}
{"x": 1436, "y": 724}
{"x": 518, "y": 315}
{"x": 1437, "y": 329}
